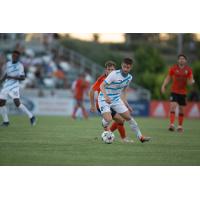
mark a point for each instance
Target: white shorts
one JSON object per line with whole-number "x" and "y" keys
{"x": 117, "y": 106}
{"x": 14, "y": 94}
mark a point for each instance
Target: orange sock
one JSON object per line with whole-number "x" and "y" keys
{"x": 172, "y": 117}
{"x": 121, "y": 130}
{"x": 180, "y": 119}
{"x": 113, "y": 127}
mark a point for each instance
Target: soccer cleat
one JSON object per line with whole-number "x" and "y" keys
{"x": 145, "y": 139}
{"x": 5, "y": 124}
{"x": 171, "y": 128}
{"x": 180, "y": 129}
{"x": 127, "y": 140}
{"x": 33, "y": 121}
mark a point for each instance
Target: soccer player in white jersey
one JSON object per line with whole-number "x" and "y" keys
{"x": 113, "y": 95}
{"x": 14, "y": 73}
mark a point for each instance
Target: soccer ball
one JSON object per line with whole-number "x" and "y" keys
{"x": 108, "y": 137}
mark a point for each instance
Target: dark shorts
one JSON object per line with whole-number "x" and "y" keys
{"x": 113, "y": 113}
{"x": 179, "y": 98}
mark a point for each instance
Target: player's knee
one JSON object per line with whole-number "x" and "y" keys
{"x": 106, "y": 122}
{"x": 181, "y": 112}
{"x": 108, "y": 119}
{"x": 173, "y": 107}
{"x": 132, "y": 122}
{"x": 127, "y": 118}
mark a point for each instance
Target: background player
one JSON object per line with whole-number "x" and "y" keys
{"x": 14, "y": 73}
{"x": 79, "y": 87}
{"x": 113, "y": 95}
{"x": 180, "y": 74}
{"x": 119, "y": 121}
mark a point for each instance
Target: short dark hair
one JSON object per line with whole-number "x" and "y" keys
{"x": 110, "y": 63}
{"x": 128, "y": 61}
{"x": 16, "y": 52}
{"x": 182, "y": 55}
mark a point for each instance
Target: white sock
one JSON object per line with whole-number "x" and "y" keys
{"x": 4, "y": 114}
{"x": 105, "y": 123}
{"x": 25, "y": 110}
{"x": 135, "y": 128}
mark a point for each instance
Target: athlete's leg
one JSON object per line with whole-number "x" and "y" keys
{"x": 4, "y": 112}
{"x": 106, "y": 114}
{"x": 180, "y": 118}
{"x": 173, "y": 106}
{"x": 118, "y": 124}
{"x": 84, "y": 112}
{"x": 124, "y": 113}
{"x": 76, "y": 106}
{"x": 132, "y": 123}
{"x": 22, "y": 107}
{"x": 107, "y": 118}
{"x": 172, "y": 116}
{"x": 3, "y": 109}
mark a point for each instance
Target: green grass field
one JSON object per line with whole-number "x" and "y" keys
{"x": 59, "y": 141}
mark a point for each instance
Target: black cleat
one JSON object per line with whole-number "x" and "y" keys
{"x": 145, "y": 139}
{"x": 5, "y": 124}
{"x": 171, "y": 128}
{"x": 33, "y": 121}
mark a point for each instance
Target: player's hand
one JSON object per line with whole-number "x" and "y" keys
{"x": 93, "y": 109}
{"x": 163, "y": 89}
{"x": 108, "y": 100}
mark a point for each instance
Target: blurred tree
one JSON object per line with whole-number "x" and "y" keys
{"x": 135, "y": 37}
{"x": 97, "y": 52}
{"x": 96, "y": 37}
{"x": 149, "y": 68}
{"x": 196, "y": 71}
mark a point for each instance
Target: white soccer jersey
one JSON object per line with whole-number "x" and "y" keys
{"x": 115, "y": 83}
{"x": 13, "y": 69}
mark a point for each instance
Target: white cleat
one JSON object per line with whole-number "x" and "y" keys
{"x": 127, "y": 140}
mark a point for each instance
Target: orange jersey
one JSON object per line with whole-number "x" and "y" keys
{"x": 179, "y": 78}
{"x": 96, "y": 86}
{"x": 80, "y": 87}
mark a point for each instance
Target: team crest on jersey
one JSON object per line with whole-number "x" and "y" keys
{"x": 186, "y": 72}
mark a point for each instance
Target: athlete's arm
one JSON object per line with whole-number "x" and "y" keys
{"x": 165, "y": 83}
{"x": 92, "y": 102}
{"x": 18, "y": 78}
{"x": 3, "y": 79}
{"x": 102, "y": 88}
{"x": 124, "y": 99}
{"x": 191, "y": 80}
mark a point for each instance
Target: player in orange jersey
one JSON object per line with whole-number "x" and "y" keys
{"x": 79, "y": 88}
{"x": 118, "y": 120}
{"x": 180, "y": 74}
